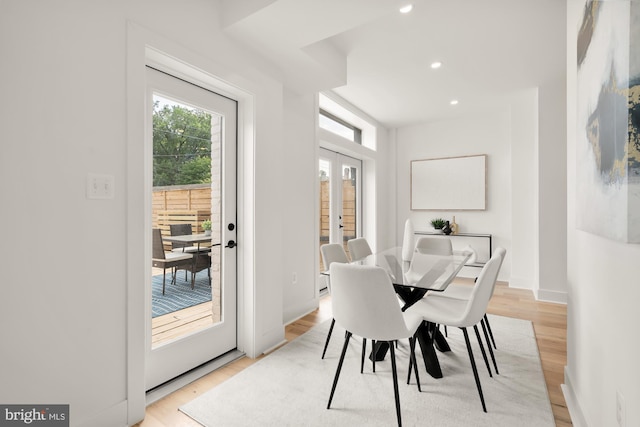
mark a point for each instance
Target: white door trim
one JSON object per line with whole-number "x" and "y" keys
{"x": 147, "y": 48}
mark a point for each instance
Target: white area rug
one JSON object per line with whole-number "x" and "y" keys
{"x": 291, "y": 386}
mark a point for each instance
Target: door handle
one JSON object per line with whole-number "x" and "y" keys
{"x": 231, "y": 244}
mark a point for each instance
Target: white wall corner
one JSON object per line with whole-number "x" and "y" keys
{"x": 300, "y": 311}
{"x": 520, "y": 282}
{"x": 575, "y": 412}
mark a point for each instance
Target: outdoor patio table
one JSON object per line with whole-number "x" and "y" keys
{"x": 191, "y": 240}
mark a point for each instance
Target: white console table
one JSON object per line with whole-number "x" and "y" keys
{"x": 464, "y": 239}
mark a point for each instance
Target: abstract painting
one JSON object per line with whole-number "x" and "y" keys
{"x": 608, "y": 121}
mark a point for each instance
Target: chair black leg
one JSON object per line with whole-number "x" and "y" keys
{"x": 473, "y": 366}
{"x": 486, "y": 320}
{"x": 335, "y": 380}
{"x": 413, "y": 362}
{"x": 364, "y": 350}
{"x": 164, "y": 278}
{"x": 484, "y": 354}
{"x": 326, "y": 343}
{"x": 486, "y": 337}
{"x": 395, "y": 382}
{"x": 373, "y": 362}
{"x": 410, "y": 367}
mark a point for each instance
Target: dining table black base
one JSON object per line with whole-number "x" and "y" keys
{"x": 413, "y": 280}
{"x": 428, "y": 335}
{"x": 440, "y": 341}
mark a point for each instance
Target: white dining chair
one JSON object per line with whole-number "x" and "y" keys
{"x": 463, "y": 292}
{"x": 331, "y": 252}
{"x": 364, "y": 304}
{"x": 408, "y": 241}
{"x": 358, "y": 248}
{"x": 464, "y": 313}
{"x": 434, "y": 245}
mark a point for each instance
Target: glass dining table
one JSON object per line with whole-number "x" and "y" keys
{"x": 412, "y": 280}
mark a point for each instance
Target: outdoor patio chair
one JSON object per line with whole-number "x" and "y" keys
{"x": 172, "y": 260}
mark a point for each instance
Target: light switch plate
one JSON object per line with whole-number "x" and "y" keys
{"x": 100, "y": 186}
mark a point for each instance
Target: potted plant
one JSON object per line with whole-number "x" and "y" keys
{"x": 438, "y": 223}
{"x": 206, "y": 226}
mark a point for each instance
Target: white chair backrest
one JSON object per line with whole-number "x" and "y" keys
{"x": 434, "y": 245}
{"x": 500, "y": 252}
{"x": 483, "y": 290}
{"x": 408, "y": 241}
{"x": 364, "y": 302}
{"x": 358, "y": 248}
{"x": 332, "y": 252}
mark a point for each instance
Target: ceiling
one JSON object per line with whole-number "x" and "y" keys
{"x": 379, "y": 60}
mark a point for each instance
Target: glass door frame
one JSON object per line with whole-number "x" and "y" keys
{"x": 336, "y": 222}
{"x": 200, "y": 342}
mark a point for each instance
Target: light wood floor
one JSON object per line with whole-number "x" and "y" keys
{"x": 550, "y": 325}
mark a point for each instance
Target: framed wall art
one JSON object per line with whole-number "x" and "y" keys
{"x": 608, "y": 121}
{"x": 449, "y": 183}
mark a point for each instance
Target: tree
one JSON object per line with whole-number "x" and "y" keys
{"x": 181, "y": 145}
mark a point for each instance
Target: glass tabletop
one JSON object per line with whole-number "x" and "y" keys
{"x": 432, "y": 272}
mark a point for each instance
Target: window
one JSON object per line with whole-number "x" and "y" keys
{"x": 338, "y": 126}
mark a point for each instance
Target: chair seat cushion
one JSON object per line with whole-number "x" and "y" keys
{"x": 190, "y": 249}
{"x": 413, "y": 320}
{"x": 444, "y": 311}
{"x": 455, "y": 291}
{"x": 174, "y": 256}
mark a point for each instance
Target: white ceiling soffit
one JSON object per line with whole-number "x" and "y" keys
{"x": 379, "y": 59}
{"x": 295, "y": 34}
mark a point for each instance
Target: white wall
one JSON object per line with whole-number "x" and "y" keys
{"x": 526, "y": 193}
{"x": 524, "y": 181}
{"x": 65, "y": 114}
{"x": 299, "y": 224}
{"x": 602, "y": 343}
{"x": 483, "y": 134}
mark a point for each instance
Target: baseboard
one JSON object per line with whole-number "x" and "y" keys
{"x": 577, "y": 418}
{"x": 275, "y": 347}
{"x": 539, "y": 294}
{"x": 551, "y": 296}
{"x": 309, "y": 307}
{"x": 115, "y": 415}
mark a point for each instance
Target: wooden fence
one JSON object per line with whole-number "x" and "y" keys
{"x": 192, "y": 204}
{"x": 348, "y": 213}
{"x": 189, "y": 204}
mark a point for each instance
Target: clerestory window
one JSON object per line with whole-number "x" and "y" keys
{"x": 340, "y": 127}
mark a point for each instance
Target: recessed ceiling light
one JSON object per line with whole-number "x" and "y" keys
{"x": 406, "y": 9}
{"x": 454, "y": 102}
{"x": 436, "y": 65}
